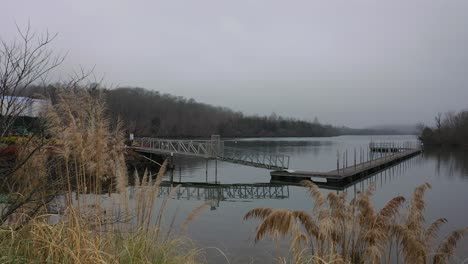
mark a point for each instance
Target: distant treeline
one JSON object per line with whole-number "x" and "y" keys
{"x": 151, "y": 113}
{"x": 450, "y": 129}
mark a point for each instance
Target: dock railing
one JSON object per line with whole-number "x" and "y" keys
{"x": 377, "y": 152}
{"x": 256, "y": 158}
{"x": 393, "y": 146}
{"x": 212, "y": 149}
{"x": 201, "y": 148}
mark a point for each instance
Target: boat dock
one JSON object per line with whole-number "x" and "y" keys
{"x": 376, "y": 157}
{"x": 350, "y": 173}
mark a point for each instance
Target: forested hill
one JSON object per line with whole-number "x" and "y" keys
{"x": 150, "y": 113}
{"x": 153, "y": 114}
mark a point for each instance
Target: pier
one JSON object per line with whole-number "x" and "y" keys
{"x": 377, "y": 157}
{"x": 391, "y": 155}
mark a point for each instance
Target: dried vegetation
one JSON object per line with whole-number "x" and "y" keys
{"x": 84, "y": 211}
{"x": 338, "y": 231}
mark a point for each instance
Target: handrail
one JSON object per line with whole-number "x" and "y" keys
{"x": 213, "y": 149}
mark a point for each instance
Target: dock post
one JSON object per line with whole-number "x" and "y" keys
{"x": 172, "y": 159}
{"x": 206, "y": 170}
{"x": 343, "y": 161}
{"x": 354, "y": 158}
{"x": 367, "y": 155}
{"x": 346, "y": 157}
{"x": 360, "y": 155}
{"x": 338, "y": 161}
{"x": 216, "y": 170}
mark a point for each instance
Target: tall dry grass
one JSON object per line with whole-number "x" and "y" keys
{"x": 93, "y": 216}
{"x": 338, "y": 231}
{"x": 91, "y": 151}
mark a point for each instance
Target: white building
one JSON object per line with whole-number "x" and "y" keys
{"x": 22, "y": 106}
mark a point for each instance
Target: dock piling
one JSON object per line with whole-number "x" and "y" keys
{"x": 180, "y": 173}
{"x": 206, "y": 170}
{"x": 337, "y": 160}
{"x": 354, "y": 158}
{"x": 344, "y": 161}
{"x": 216, "y": 170}
{"x": 346, "y": 157}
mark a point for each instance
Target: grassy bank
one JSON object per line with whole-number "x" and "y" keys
{"x": 75, "y": 241}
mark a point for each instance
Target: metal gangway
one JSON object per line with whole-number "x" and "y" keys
{"x": 211, "y": 149}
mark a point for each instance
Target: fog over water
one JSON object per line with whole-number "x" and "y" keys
{"x": 355, "y": 63}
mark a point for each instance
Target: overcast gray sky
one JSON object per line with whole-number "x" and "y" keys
{"x": 349, "y": 62}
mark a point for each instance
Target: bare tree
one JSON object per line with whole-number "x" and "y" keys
{"x": 438, "y": 121}
{"x": 22, "y": 63}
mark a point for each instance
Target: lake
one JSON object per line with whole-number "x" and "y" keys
{"x": 222, "y": 229}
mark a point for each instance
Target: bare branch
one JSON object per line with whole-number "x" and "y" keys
{"x": 22, "y": 63}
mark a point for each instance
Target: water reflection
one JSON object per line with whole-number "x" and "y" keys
{"x": 379, "y": 179}
{"x": 448, "y": 162}
{"x": 215, "y": 193}
{"x": 446, "y": 171}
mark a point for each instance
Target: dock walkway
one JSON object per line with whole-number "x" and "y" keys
{"x": 347, "y": 174}
{"x": 215, "y": 149}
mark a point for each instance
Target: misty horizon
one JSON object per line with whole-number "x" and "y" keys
{"x": 356, "y": 64}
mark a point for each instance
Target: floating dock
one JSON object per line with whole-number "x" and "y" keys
{"x": 348, "y": 174}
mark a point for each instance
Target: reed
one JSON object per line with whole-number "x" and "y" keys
{"x": 93, "y": 216}
{"x": 338, "y": 231}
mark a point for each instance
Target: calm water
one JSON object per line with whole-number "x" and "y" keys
{"x": 221, "y": 227}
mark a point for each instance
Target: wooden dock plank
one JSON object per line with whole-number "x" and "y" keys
{"x": 361, "y": 169}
